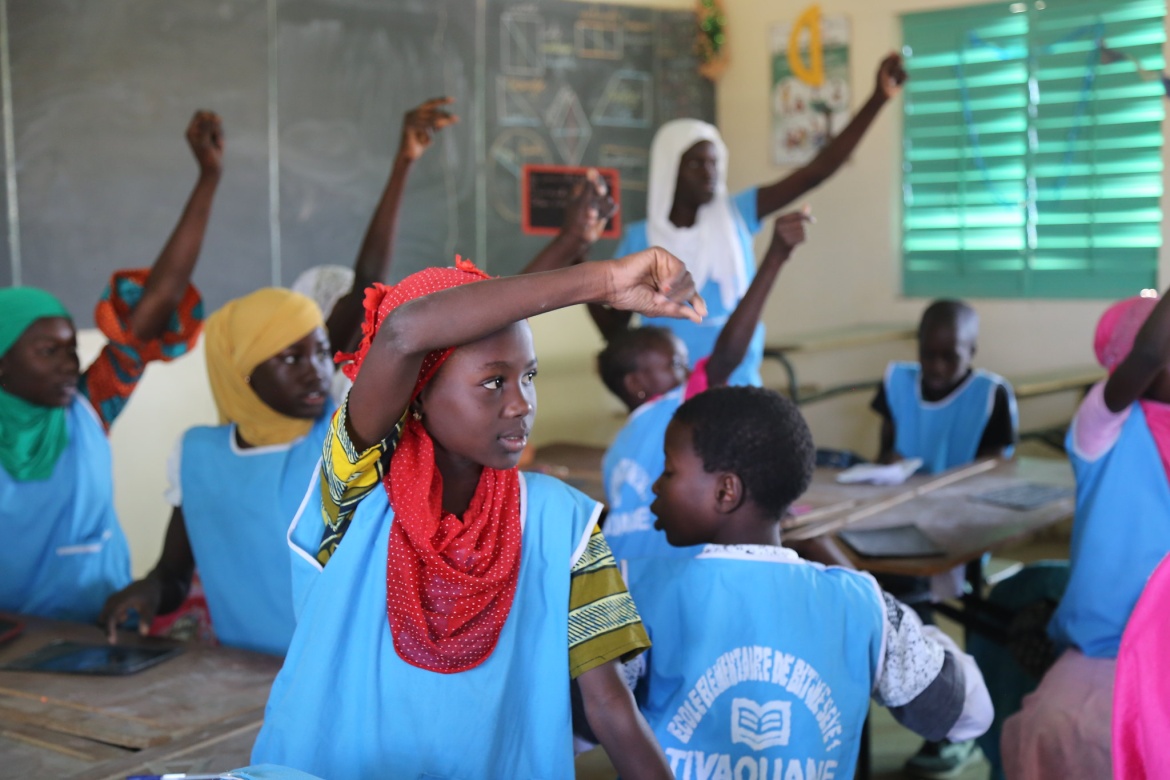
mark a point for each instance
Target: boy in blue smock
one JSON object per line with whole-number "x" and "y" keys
{"x": 763, "y": 664}
{"x": 647, "y": 368}
{"x": 949, "y": 414}
{"x": 690, "y": 213}
{"x": 940, "y": 409}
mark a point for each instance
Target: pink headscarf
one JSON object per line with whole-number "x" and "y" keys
{"x": 1117, "y": 329}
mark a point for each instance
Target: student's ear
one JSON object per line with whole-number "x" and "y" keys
{"x": 632, "y": 384}
{"x": 729, "y": 493}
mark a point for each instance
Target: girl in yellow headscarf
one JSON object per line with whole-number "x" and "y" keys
{"x": 64, "y": 550}
{"x": 236, "y": 486}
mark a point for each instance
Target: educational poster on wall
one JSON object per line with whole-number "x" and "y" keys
{"x": 810, "y": 85}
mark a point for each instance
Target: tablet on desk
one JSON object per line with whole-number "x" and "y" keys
{"x": 65, "y": 657}
{"x": 902, "y": 541}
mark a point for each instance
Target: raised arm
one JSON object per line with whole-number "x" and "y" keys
{"x": 733, "y": 341}
{"x": 1147, "y": 360}
{"x": 773, "y": 197}
{"x": 588, "y": 211}
{"x": 653, "y": 282}
{"x": 171, "y": 273}
{"x": 373, "y": 260}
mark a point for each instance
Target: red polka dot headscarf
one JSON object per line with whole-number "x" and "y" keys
{"x": 450, "y": 581}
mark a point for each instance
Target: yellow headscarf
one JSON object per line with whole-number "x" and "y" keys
{"x": 242, "y": 335}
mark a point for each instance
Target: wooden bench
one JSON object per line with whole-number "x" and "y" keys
{"x": 848, "y": 337}
{"x": 1078, "y": 379}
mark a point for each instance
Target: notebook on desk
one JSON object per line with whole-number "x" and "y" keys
{"x": 900, "y": 541}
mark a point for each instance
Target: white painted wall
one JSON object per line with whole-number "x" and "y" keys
{"x": 848, "y": 273}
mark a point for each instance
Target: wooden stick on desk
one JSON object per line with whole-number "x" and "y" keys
{"x": 837, "y": 523}
{"x": 819, "y": 514}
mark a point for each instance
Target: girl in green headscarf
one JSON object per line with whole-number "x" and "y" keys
{"x": 64, "y": 551}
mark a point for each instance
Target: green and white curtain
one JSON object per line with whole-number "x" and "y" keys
{"x": 1032, "y": 159}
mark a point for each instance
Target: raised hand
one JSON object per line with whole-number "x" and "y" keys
{"x": 419, "y": 126}
{"x": 589, "y": 209}
{"x": 143, "y": 597}
{"x": 655, "y": 283}
{"x": 788, "y": 231}
{"x": 205, "y": 137}
{"x": 891, "y": 75}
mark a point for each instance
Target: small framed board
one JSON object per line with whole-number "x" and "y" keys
{"x": 66, "y": 657}
{"x": 545, "y": 191}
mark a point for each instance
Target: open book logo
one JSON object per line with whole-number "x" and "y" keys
{"x": 760, "y": 726}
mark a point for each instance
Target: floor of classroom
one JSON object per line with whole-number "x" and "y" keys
{"x": 891, "y": 744}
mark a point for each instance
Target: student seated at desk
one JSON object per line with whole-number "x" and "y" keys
{"x": 647, "y": 369}
{"x": 762, "y": 661}
{"x": 64, "y": 551}
{"x": 236, "y": 486}
{"x": 1119, "y": 445}
{"x": 949, "y": 414}
{"x": 940, "y": 409}
{"x": 447, "y": 599}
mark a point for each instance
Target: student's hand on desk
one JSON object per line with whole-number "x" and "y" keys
{"x": 589, "y": 209}
{"x": 205, "y": 137}
{"x": 142, "y": 596}
{"x": 891, "y": 76}
{"x": 655, "y": 283}
{"x": 420, "y": 124}
{"x": 788, "y": 232}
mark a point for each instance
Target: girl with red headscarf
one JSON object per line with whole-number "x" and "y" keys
{"x": 441, "y": 617}
{"x": 1119, "y": 445}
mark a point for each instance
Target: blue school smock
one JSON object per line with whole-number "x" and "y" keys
{"x": 945, "y": 433}
{"x": 758, "y": 663}
{"x": 346, "y": 706}
{"x": 64, "y": 552}
{"x": 629, "y": 469}
{"x": 1121, "y": 531}
{"x": 237, "y": 506}
{"x": 700, "y": 338}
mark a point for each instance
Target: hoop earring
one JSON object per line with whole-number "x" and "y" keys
{"x": 641, "y": 395}
{"x": 416, "y": 414}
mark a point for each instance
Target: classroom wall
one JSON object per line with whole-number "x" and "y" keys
{"x": 848, "y": 273}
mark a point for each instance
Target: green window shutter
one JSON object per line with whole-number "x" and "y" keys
{"x": 1030, "y": 167}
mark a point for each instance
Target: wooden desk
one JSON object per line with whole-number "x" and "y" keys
{"x": 849, "y": 337}
{"x": 1035, "y": 385}
{"x": 963, "y": 528}
{"x": 198, "y": 712}
{"x": 577, "y": 464}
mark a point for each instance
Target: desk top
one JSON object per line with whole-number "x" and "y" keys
{"x": 58, "y": 721}
{"x": 963, "y": 528}
{"x": 843, "y": 338}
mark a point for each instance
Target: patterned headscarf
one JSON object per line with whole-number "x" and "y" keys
{"x": 1117, "y": 329}
{"x": 450, "y": 581}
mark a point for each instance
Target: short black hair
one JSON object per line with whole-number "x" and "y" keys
{"x": 950, "y": 313}
{"x": 756, "y": 434}
{"x": 621, "y": 353}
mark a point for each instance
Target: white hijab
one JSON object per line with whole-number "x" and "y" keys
{"x": 711, "y": 248}
{"x": 326, "y": 284}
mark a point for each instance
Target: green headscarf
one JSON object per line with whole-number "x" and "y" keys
{"x": 32, "y": 437}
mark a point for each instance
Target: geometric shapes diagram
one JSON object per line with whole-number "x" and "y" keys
{"x": 509, "y": 153}
{"x": 633, "y": 161}
{"x": 761, "y": 726}
{"x": 513, "y": 107}
{"x": 599, "y": 39}
{"x": 627, "y": 100}
{"x": 568, "y": 125}
{"x": 520, "y": 50}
